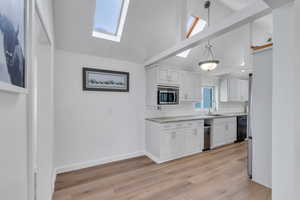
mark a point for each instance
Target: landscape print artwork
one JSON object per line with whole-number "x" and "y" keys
{"x": 12, "y": 42}
{"x": 105, "y": 80}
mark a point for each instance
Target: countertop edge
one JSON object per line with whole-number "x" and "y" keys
{"x": 196, "y": 118}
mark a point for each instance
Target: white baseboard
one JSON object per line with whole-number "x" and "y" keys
{"x": 92, "y": 163}
{"x": 160, "y": 161}
{"x": 153, "y": 158}
{"x": 263, "y": 183}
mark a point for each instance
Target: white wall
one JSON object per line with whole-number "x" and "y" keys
{"x": 286, "y": 152}
{"x": 96, "y": 127}
{"x": 13, "y": 146}
{"x": 14, "y": 181}
{"x": 261, "y": 117}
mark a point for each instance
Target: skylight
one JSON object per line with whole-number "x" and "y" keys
{"x": 110, "y": 17}
{"x": 194, "y": 26}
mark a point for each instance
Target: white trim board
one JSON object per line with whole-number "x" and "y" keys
{"x": 54, "y": 174}
{"x": 5, "y": 87}
{"x": 93, "y": 163}
{"x": 256, "y": 10}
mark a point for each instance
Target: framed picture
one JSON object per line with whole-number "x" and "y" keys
{"x": 12, "y": 43}
{"x": 105, "y": 80}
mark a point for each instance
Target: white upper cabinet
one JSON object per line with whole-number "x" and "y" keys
{"x": 245, "y": 90}
{"x": 233, "y": 90}
{"x": 168, "y": 77}
{"x": 189, "y": 84}
{"x": 190, "y": 87}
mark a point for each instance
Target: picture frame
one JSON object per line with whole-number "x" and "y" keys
{"x": 105, "y": 80}
{"x": 13, "y": 46}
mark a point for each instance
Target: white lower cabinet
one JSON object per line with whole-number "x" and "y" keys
{"x": 165, "y": 142}
{"x": 194, "y": 141}
{"x": 172, "y": 144}
{"x": 224, "y": 131}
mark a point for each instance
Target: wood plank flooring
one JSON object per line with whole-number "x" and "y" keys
{"x": 216, "y": 175}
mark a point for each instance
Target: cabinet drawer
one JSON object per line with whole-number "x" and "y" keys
{"x": 172, "y": 144}
{"x": 170, "y": 126}
{"x": 195, "y": 124}
{"x": 183, "y": 125}
{"x": 224, "y": 120}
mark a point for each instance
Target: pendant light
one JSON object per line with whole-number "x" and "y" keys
{"x": 209, "y": 64}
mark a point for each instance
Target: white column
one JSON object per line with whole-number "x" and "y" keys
{"x": 286, "y": 95}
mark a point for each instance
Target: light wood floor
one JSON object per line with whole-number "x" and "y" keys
{"x": 216, "y": 175}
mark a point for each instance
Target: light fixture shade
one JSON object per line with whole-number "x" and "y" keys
{"x": 209, "y": 65}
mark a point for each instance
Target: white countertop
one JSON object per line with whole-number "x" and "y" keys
{"x": 162, "y": 120}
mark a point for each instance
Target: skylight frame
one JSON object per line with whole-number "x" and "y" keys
{"x": 122, "y": 19}
{"x": 190, "y": 33}
{"x": 195, "y": 22}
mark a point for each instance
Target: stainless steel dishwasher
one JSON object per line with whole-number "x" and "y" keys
{"x": 207, "y": 135}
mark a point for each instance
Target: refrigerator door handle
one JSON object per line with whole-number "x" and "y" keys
{"x": 250, "y": 142}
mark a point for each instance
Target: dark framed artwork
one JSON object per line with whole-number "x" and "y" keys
{"x": 105, "y": 80}
{"x": 12, "y": 42}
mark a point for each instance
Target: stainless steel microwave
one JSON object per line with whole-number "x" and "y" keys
{"x": 167, "y": 95}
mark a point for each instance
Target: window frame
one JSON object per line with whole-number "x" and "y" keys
{"x": 193, "y": 26}
{"x": 188, "y": 34}
{"x": 214, "y": 100}
{"x": 116, "y": 37}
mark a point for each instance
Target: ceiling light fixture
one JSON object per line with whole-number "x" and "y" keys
{"x": 211, "y": 63}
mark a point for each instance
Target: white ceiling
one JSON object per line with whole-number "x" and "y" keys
{"x": 151, "y": 27}
{"x": 237, "y": 4}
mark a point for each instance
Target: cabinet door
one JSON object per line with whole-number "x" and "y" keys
{"x": 168, "y": 77}
{"x": 172, "y": 144}
{"x": 193, "y": 141}
{"x": 224, "y": 90}
{"x": 232, "y": 131}
{"x": 190, "y": 87}
{"x": 218, "y": 135}
{"x": 174, "y": 76}
{"x": 163, "y": 76}
{"x": 185, "y": 86}
{"x": 196, "y": 87}
{"x": 244, "y": 90}
{"x": 234, "y": 90}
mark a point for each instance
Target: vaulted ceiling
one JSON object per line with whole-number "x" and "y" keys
{"x": 151, "y": 27}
